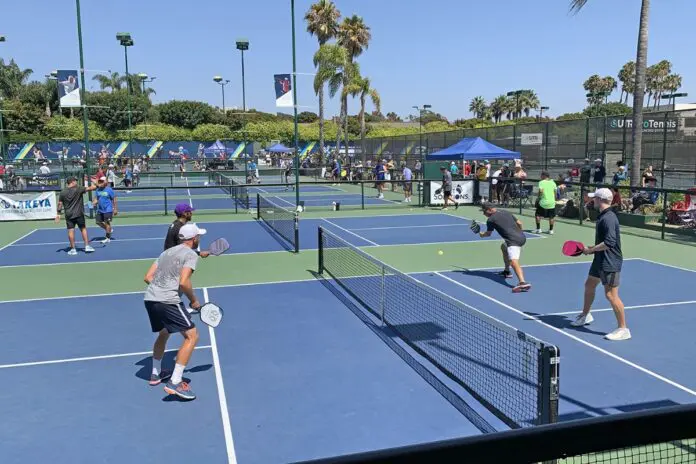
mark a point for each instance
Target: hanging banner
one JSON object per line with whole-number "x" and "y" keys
{"x": 462, "y": 192}
{"x": 283, "y": 91}
{"x": 532, "y": 139}
{"x": 27, "y": 206}
{"x": 69, "y": 89}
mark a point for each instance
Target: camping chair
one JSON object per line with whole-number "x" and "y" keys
{"x": 683, "y": 213}
{"x": 519, "y": 196}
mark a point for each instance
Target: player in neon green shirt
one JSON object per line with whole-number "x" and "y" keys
{"x": 546, "y": 203}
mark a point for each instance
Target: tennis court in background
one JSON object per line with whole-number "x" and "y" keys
{"x": 304, "y": 367}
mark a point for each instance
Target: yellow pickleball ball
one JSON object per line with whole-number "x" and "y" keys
{"x": 440, "y": 252}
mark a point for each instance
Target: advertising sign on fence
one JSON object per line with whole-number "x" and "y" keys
{"x": 462, "y": 192}
{"x": 27, "y": 206}
{"x": 532, "y": 139}
{"x": 650, "y": 125}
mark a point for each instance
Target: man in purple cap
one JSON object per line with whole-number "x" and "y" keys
{"x": 184, "y": 213}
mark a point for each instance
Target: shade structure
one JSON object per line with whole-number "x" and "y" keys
{"x": 472, "y": 149}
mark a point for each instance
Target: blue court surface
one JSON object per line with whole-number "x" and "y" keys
{"x": 49, "y": 246}
{"x": 297, "y": 371}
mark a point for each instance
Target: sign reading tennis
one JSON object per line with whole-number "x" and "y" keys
{"x": 649, "y": 124}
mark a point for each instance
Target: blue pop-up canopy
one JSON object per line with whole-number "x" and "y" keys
{"x": 473, "y": 148}
{"x": 279, "y": 148}
{"x": 216, "y": 148}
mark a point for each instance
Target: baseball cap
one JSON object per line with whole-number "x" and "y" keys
{"x": 442, "y": 166}
{"x": 102, "y": 178}
{"x": 487, "y": 205}
{"x": 189, "y": 231}
{"x": 183, "y": 208}
{"x": 603, "y": 194}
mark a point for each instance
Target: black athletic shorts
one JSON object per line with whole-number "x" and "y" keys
{"x": 173, "y": 317}
{"x": 545, "y": 213}
{"x": 79, "y": 222}
{"x": 608, "y": 279}
{"x": 447, "y": 193}
{"x": 104, "y": 218}
{"x": 407, "y": 186}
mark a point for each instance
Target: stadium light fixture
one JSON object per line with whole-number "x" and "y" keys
{"x": 242, "y": 46}
{"x": 223, "y": 83}
{"x": 2, "y": 38}
{"x": 125, "y": 39}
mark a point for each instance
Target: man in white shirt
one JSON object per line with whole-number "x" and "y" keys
{"x": 111, "y": 176}
{"x": 494, "y": 183}
{"x": 44, "y": 170}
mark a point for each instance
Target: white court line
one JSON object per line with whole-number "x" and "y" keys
{"x": 88, "y": 358}
{"x": 284, "y": 200}
{"x": 574, "y": 337}
{"x": 113, "y": 240}
{"x": 352, "y": 233}
{"x": 227, "y": 428}
{"x": 20, "y": 238}
{"x": 666, "y": 265}
{"x": 262, "y": 190}
{"x": 410, "y": 227}
{"x": 652, "y": 305}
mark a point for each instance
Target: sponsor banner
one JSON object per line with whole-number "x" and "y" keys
{"x": 27, "y": 206}
{"x": 532, "y": 139}
{"x": 650, "y": 125}
{"x": 68, "y": 88}
{"x": 283, "y": 91}
{"x": 462, "y": 192}
{"x": 484, "y": 189}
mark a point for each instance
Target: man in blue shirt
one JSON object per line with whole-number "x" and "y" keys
{"x": 408, "y": 177}
{"x": 128, "y": 177}
{"x": 106, "y": 206}
{"x": 380, "y": 170}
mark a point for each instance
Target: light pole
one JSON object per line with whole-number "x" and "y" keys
{"x": 242, "y": 46}
{"x": 673, "y": 97}
{"x": 516, "y": 94}
{"x": 541, "y": 111}
{"x": 294, "y": 98}
{"x": 125, "y": 39}
{"x": 2, "y": 127}
{"x": 420, "y": 132}
{"x": 85, "y": 115}
{"x": 223, "y": 83}
{"x": 144, "y": 78}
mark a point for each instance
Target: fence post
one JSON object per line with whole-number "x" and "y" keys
{"x": 546, "y": 150}
{"x": 519, "y": 189}
{"x": 664, "y": 160}
{"x": 514, "y": 137}
{"x": 587, "y": 138}
{"x": 604, "y": 140}
{"x": 362, "y": 194}
{"x": 165, "y": 201}
{"x": 664, "y": 214}
{"x": 581, "y": 203}
{"x": 321, "y": 251}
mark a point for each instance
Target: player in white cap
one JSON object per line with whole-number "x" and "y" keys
{"x": 606, "y": 266}
{"x": 168, "y": 278}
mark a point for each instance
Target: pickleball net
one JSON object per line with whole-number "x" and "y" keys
{"x": 512, "y": 374}
{"x": 232, "y": 187}
{"x": 284, "y": 222}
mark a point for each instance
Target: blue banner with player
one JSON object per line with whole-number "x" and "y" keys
{"x": 283, "y": 91}
{"x": 69, "y": 89}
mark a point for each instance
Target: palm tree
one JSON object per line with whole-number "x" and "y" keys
{"x": 661, "y": 71}
{"x": 365, "y": 90}
{"x": 509, "y": 107}
{"x": 112, "y": 81}
{"x": 322, "y": 22}
{"x": 12, "y": 79}
{"x": 528, "y": 101}
{"x": 627, "y": 77}
{"x": 353, "y": 35}
{"x": 593, "y": 85}
{"x": 607, "y": 85}
{"x": 639, "y": 90}
{"x": 477, "y": 106}
{"x": 498, "y": 107}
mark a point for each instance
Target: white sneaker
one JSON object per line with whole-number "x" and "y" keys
{"x": 582, "y": 320}
{"x": 72, "y": 252}
{"x": 106, "y": 240}
{"x": 550, "y": 232}
{"x": 536, "y": 231}
{"x": 380, "y": 196}
{"x": 89, "y": 249}
{"x": 618, "y": 335}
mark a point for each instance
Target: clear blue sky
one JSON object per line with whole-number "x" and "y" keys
{"x": 440, "y": 52}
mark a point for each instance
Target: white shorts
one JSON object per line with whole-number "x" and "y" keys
{"x": 514, "y": 252}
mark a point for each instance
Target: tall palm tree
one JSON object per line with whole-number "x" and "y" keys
{"x": 365, "y": 90}
{"x": 639, "y": 90}
{"x": 627, "y": 77}
{"x": 593, "y": 84}
{"x": 112, "y": 81}
{"x": 353, "y": 35}
{"x": 12, "y": 79}
{"x": 498, "y": 107}
{"x": 477, "y": 106}
{"x": 662, "y": 70}
{"x": 528, "y": 101}
{"x": 509, "y": 107}
{"x": 607, "y": 85}
{"x": 322, "y": 22}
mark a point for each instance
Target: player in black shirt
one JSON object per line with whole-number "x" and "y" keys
{"x": 184, "y": 213}
{"x": 510, "y": 229}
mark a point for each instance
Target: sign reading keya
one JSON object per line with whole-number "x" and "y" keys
{"x": 650, "y": 125}
{"x": 462, "y": 192}
{"x": 68, "y": 89}
{"x": 26, "y": 206}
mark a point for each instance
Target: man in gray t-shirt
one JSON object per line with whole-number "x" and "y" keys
{"x": 71, "y": 200}
{"x": 447, "y": 187}
{"x": 168, "y": 278}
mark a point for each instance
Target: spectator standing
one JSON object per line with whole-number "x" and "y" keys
{"x": 600, "y": 172}
{"x": 585, "y": 172}
{"x": 408, "y": 177}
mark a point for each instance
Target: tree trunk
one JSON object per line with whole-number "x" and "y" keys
{"x": 362, "y": 125}
{"x": 338, "y": 130}
{"x": 641, "y": 62}
{"x": 321, "y": 122}
{"x": 345, "y": 126}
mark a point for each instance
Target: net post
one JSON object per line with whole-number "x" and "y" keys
{"x": 381, "y": 297}
{"x": 165, "y": 201}
{"x": 297, "y": 231}
{"x": 362, "y": 194}
{"x": 258, "y": 206}
{"x": 519, "y": 189}
{"x": 235, "y": 195}
{"x": 320, "y": 233}
{"x": 581, "y": 203}
{"x": 549, "y": 369}
{"x": 171, "y": 180}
